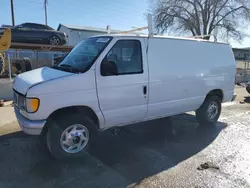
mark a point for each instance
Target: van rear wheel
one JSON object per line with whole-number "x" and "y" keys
{"x": 70, "y": 136}
{"x": 209, "y": 112}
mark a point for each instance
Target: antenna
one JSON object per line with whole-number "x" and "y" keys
{"x": 108, "y": 28}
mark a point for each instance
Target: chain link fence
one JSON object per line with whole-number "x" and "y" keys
{"x": 14, "y": 62}
{"x": 243, "y": 71}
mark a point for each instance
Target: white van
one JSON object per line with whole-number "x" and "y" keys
{"x": 116, "y": 80}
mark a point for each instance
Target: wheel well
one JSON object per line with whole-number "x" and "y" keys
{"x": 216, "y": 92}
{"x": 72, "y": 110}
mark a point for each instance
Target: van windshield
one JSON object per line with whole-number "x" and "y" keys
{"x": 83, "y": 55}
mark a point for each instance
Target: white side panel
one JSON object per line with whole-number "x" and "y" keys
{"x": 75, "y": 90}
{"x": 182, "y": 72}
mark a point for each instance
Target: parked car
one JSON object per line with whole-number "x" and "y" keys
{"x": 36, "y": 33}
{"x": 97, "y": 86}
{"x": 248, "y": 87}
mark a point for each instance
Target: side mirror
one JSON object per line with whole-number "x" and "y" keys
{"x": 108, "y": 68}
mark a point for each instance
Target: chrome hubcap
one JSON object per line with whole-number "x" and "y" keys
{"x": 212, "y": 110}
{"x": 74, "y": 138}
{"x": 54, "y": 40}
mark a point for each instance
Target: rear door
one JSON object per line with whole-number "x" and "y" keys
{"x": 123, "y": 98}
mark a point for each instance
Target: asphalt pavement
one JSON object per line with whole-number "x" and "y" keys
{"x": 140, "y": 155}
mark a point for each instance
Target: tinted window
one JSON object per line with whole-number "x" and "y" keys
{"x": 127, "y": 56}
{"x": 35, "y": 26}
{"x": 43, "y": 27}
{"x": 47, "y": 27}
{"x": 28, "y": 26}
{"x": 22, "y": 26}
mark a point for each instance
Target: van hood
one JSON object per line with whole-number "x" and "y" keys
{"x": 26, "y": 80}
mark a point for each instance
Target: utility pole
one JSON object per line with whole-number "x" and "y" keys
{"x": 45, "y": 10}
{"x": 12, "y": 12}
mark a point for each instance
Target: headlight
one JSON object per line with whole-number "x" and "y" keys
{"x": 32, "y": 105}
{"x": 20, "y": 102}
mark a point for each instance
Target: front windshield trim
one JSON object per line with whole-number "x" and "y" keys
{"x": 97, "y": 56}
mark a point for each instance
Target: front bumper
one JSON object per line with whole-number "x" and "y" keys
{"x": 29, "y": 126}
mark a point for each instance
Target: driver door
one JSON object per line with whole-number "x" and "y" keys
{"x": 123, "y": 98}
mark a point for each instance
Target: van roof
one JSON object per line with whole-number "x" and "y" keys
{"x": 159, "y": 36}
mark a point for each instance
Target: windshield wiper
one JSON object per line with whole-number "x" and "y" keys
{"x": 72, "y": 69}
{"x": 67, "y": 67}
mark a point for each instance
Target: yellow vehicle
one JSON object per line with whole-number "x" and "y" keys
{"x": 5, "y": 42}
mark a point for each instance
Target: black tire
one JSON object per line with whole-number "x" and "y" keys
{"x": 248, "y": 89}
{"x": 57, "y": 126}
{"x": 202, "y": 114}
{"x": 54, "y": 40}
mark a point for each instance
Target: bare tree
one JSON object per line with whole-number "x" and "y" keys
{"x": 202, "y": 17}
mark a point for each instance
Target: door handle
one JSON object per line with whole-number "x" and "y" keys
{"x": 145, "y": 90}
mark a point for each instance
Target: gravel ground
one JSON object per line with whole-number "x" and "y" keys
{"x": 142, "y": 155}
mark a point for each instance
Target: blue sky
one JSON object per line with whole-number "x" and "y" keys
{"x": 120, "y": 14}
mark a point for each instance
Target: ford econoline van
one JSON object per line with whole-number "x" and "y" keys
{"x": 115, "y": 80}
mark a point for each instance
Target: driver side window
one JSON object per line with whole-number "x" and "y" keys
{"x": 23, "y": 27}
{"x": 127, "y": 56}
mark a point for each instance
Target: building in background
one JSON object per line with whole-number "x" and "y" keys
{"x": 78, "y": 33}
{"x": 242, "y": 57}
{"x": 242, "y": 54}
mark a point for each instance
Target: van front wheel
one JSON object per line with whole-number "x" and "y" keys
{"x": 209, "y": 112}
{"x": 70, "y": 136}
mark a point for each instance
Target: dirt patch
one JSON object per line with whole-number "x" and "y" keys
{"x": 207, "y": 165}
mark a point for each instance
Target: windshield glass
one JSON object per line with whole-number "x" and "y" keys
{"x": 84, "y": 54}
